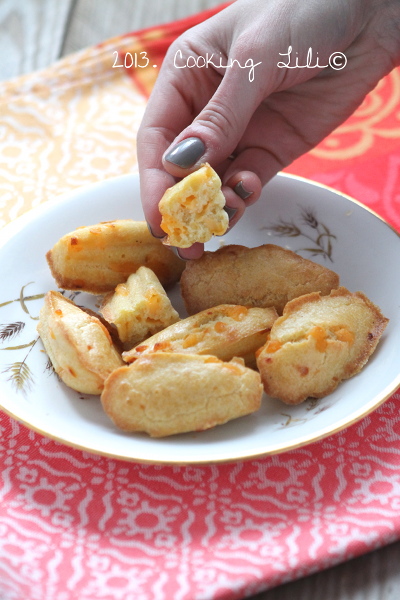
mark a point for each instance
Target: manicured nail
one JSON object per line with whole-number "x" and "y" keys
{"x": 158, "y": 237}
{"x": 186, "y": 153}
{"x": 241, "y": 191}
{"x": 231, "y": 212}
{"x": 176, "y": 252}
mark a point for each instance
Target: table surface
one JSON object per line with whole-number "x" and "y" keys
{"x": 35, "y": 33}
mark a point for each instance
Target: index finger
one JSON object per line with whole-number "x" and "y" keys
{"x": 166, "y": 115}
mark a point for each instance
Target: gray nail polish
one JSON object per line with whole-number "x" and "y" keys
{"x": 186, "y": 153}
{"x": 158, "y": 237}
{"x": 176, "y": 252}
{"x": 231, "y": 212}
{"x": 241, "y": 191}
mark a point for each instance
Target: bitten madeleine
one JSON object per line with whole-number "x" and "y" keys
{"x": 97, "y": 258}
{"x": 318, "y": 342}
{"x": 164, "y": 394}
{"x": 264, "y": 276}
{"x": 224, "y": 331}
{"x": 78, "y": 344}
{"x": 138, "y": 308}
{"x": 193, "y": 209}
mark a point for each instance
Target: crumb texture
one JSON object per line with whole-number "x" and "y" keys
{"x": 138, "y": 308}
{"x": 224, "y": 331}
{"x": 193, "y": 209}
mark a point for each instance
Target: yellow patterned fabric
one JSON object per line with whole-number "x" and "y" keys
{"x": 72, "y": 124}
{"x": 75, "y": 123}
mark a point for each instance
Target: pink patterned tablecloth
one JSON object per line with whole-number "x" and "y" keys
{"x": 75, "y": 525}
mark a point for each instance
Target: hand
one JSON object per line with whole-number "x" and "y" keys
{"x": 248, "y": 130}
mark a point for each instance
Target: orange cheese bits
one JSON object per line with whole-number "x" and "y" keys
{"x": 318, "y": 342}
{"x": 193, "y": 209}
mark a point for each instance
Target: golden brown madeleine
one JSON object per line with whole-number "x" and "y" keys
{"x": 78, "y": 345}
{"x": 193, "y": 209}
{"x": 138, "y": 308}
{"x": 318, "y": 342}
{"x": 97, "y": 258}
{"x": 264, "y": 276}
{"x": 224, "y": 331}
{"x": 164, "y": 394}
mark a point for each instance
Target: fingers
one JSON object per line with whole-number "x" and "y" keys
{"x": 273, "y": 139}
{"x": 196, "y": 116}
{"x": 247, "y": 130}
{"x": 155, "y": 135}
{"x": 235, "y": 206}
{"x": 216, "y": 131}
{"x": 191, "y": 253}
{"x": 244, "y": 183}
{"x": 210, "y": 137}
{"x": 153, "y": 183}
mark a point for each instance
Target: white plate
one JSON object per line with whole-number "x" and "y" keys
{"x": 313, "y": 220}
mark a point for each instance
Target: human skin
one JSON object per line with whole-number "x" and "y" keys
{"x": 250, "y": 130}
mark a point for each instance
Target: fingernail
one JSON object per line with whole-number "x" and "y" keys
{"x": 241, "y": 191}
{"x": 231, "y": 212}
{"x": 158, "y": 237}
{"x": 176, "y": 252}
{"x": 186, "y": 153}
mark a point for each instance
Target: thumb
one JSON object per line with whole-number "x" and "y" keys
{"x": 216, "y": 131}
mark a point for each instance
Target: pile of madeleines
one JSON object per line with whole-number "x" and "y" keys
{"x": 261, "y": 319}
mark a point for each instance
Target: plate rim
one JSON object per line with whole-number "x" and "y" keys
{"x": 12, "y": 228}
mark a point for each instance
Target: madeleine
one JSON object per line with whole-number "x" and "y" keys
{"x": 164, "y": 393}
{"x": 77, "y": 343}
{"x": 318, "y": 342}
